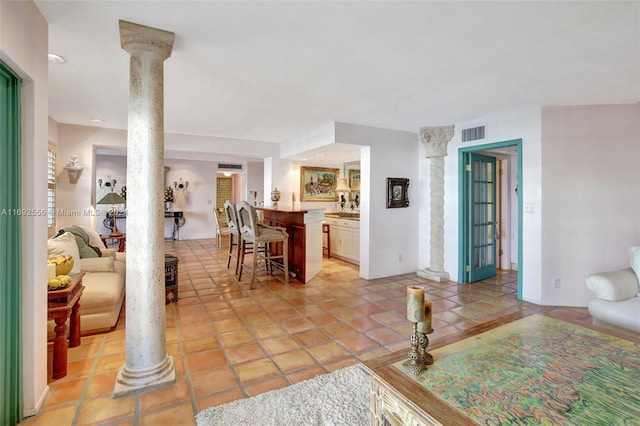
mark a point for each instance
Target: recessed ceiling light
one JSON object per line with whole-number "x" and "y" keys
{"x": 56, "y": 59}
{"x": 320, "y": 155}
{"x": 97, "y": 120}
{"x": 227, "y": 174}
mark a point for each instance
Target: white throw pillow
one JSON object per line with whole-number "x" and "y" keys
{"x": 94, "y": 238}
{"x": 97, "y": 264}
{"x": 634, "y": 254}
{"x": 64, "y": 245}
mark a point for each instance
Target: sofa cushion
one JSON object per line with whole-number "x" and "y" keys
{"x": 63, "y": 245}
{"x": 634, "y": 254}
{"x": 625, "y": 314}
{"x": 102, "y": 292}
{"x": 614, "y": 285}
{"x": 94, "y": 238}
{"x": 82, "y": 239}
{"x": 97, "y": 264}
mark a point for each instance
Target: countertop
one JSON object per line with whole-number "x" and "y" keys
{"x": 343, "y": 215}
{"x": 288, "y": 209}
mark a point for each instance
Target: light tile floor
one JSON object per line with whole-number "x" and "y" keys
{"x": 229, "y": 342}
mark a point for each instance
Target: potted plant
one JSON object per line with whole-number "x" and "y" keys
{"x": 168, "y": 198}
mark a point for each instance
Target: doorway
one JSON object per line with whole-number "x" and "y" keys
{"x": 490, "y": 207}
{"x": 224, "y": 191}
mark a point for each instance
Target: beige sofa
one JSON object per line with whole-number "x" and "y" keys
{"x": 104, "y": 280}
{"x": 617, "y": 302}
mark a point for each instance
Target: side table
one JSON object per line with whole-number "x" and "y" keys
{"x": 63, "y": 305}
{"x": 122, "y": 241}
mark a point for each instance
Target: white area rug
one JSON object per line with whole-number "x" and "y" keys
{"x": 337, "y": 398}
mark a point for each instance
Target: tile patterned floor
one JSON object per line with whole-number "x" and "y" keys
{"x": 229, "y": 342}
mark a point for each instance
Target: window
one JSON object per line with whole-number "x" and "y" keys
{"x": 51, "y": 189}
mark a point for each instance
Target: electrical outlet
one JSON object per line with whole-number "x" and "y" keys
{"x": 556, "y": 282}
{"x": 400, "y": 258}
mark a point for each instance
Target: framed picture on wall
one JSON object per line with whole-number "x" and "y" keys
{"x": 397, "y": 192}
{"x": 318, "y": 183}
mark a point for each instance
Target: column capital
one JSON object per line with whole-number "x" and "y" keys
{"x": 136, "y": 38}
{"x": 435, "y": 140}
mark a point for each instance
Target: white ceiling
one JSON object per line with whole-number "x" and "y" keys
{"x": 268, "y": 71}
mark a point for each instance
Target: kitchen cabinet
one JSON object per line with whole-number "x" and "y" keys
{"x": 345, "y": 239}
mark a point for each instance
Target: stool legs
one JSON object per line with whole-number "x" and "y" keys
{"x": 285, "y": 259}
{"x": 239, "y": 247}
{"x": 326, "y": 229}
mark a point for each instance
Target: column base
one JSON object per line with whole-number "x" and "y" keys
{"x": 429, "y": 274}
{"x": 131, "y": 382}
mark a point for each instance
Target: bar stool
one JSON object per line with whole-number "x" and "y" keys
{"x": 326, "y": 229}
{"x": 261, "y": 236}
{"x": 220, "y": 230}
{"x": 234, "y": 232}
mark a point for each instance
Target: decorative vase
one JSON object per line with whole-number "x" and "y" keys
{"x": 167, "y": 206}
{"x": 275, "y": 196}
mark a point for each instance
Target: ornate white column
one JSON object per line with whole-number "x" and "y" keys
{"x": 435, "y": 140}
{"x": 147, "y": 365}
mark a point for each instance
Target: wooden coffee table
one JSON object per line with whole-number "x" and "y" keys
{"x": 63, "y": 305}
{"x": 516, "y": 369}
{"x": 397, "y": 400}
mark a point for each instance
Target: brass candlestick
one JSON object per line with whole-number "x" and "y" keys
{"x": 423, "y": 341}
{"x": 414, "y": 365}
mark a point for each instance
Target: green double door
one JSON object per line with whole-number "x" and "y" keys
{"x": 479, "y": 216}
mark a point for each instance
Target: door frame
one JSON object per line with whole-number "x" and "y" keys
{"x": 462, "y": 205}
{"x": 11, "y": 263}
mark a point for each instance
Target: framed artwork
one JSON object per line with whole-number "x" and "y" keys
{"x": 318, "y": 183}
{"x": 397, "y": 192}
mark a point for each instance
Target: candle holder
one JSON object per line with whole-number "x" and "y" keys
{"x": 414, "y": 365}
{"x": 423, "y": 343}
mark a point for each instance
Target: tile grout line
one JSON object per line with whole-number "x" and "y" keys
{"x": 89, "y": 378}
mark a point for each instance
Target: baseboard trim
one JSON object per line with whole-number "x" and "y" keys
{"x": 29, "y": 412}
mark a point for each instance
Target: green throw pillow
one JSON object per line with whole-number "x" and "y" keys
{"x": 82, "y": 240}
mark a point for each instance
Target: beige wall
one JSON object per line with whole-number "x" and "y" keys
{"x": 23, "y": 47}
{"x": 73, "y": 201}
{"x": 590, "y": 197}
{"x": 76, "y": 202}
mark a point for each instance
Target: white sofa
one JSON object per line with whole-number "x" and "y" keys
{"x": 104, "y": 281}
{"x": 617, "y": 302}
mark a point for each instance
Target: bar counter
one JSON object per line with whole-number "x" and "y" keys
{"x": 304, "y": 226}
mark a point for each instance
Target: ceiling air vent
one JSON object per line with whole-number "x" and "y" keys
{"x": 473, "y": 134}
{"x": 222, "y": 166}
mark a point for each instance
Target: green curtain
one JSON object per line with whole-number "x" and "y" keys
{"x": 11, "y": 398}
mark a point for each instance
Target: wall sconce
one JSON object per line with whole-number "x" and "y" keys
{"x": 73, "y": 169}
{"x": 107, "y": 183}
{"x": 181, "y": 185}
